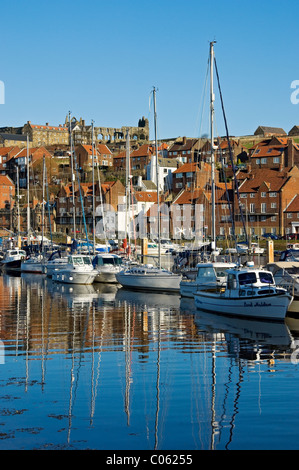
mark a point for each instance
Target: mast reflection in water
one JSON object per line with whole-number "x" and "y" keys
{"x": 99, "y": 367}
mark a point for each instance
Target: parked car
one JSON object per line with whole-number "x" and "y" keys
{"x": 273, "y": 236}
{"x": 291, "y": 236}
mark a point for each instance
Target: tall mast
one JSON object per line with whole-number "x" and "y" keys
{"x": 18, "y": 202}
{"x": 43, "y": 203}
{"x": 212, "y": 99}
{"x": 128, "y": 190}
{"x": 157, "y": 179}
{"x": 93, "y": 191}
{"x": 73, "y": 177}
{"x": 28, "y": 206}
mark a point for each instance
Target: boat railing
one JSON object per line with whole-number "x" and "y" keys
{"x": 287, "y": 281}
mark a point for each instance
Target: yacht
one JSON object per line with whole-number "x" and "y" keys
{"x": 77, "y": 270}
{"x": 13, "y": 259}
{"x": 149, "y": 277}
{"x": 34, "y": 264}
{"x": 107, "y": 266}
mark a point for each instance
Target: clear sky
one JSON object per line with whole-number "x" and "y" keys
{"x": 100, "y": 59}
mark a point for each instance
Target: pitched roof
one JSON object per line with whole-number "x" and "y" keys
{"x": 6, "y": 181}
{"x": 103, "y": 149}
{"x": 23, "y": 152}
{"x": 145, "y": 196}
{"x": 185, "y": 144}
{"x": 274, "y": 180}
{"x": 52, "y": 128}
{"x": 143, "y": 151}
{"x": 188, "y": 197}
{"x": 294, "y": 205}
{"x": 187, "y": 168}
{"x": 14, "y": 137}
{"x": 270, "y": 130}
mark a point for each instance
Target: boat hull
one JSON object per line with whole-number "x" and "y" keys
{"x": 151, "y": 282}
{"x": 12, "y": 265}
{"x": 70, "y": 277}
{"x": 32, "y": 268}
{"x": 271, "y": 307}
{"x": 108, "y": 277}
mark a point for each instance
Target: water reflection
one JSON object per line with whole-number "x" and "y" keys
{"x": 105, "y": 368}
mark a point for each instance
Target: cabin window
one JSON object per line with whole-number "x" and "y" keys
{"x": 266, "y": 277}
{"x": 247, "y": 278}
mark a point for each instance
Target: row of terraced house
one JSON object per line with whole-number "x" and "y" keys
{"x": 260, "y": 196}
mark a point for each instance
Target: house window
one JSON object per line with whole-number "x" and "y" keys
{"x": 289, "y": 215}
{"x": 273, "y": 218}
{"x": 264, "y": 160}
{"x": 243, "y": 195}
{"x": 263, "y": 207}
{"x": 179, "y": 185}
{"x": 273, "y": 205}
{"x": 252, "y": 195}
{"x": 273, "y": 194}
{"x": 252, "y": 207}
{"x": 276, "y": 160}
{"x": 258, "y": 161}
{"x": 179, "y": 175}
{"x": 263, "y": 194}
{"x": 263, "y": 218}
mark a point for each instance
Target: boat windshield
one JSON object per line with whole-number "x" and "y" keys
{"x": 111, "y": 260}
{"x": 206, "y": 272}
{"x": 265, "y": 277}
{"x": 247, "y": 278}
{"x": 79, "y": 260}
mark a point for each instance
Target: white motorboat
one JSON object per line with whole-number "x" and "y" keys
{"x": 34, "y": 264}
{"x": 256, "y": 249}
{"x": 148, "y": 277}
{"x": 107, "y": 265}
{"x": 207, "y": 275}
{"x": 13, "y": 259}
{"x": 249, "y": 292}
{"x": 77, "y": 270}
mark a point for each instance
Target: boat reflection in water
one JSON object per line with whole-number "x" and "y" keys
{"x": 111, "y": 369}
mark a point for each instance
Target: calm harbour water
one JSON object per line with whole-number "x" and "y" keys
{"x": 97, "y": 367}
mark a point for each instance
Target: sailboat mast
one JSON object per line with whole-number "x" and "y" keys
{"x": 128, "y": 191}
{"x": 93, "y": 192}
{"x": 212, "y": 99}
{"x": 73, "y": 177}
{"x": 157, "y": 179}
{"x": 43, "y": 203}
{"x": 28, "y": 206}
{"x": 18, "y": 202}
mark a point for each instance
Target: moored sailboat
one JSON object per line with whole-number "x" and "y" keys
{"x": 148, "y": 277}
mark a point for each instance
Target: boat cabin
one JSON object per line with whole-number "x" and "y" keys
{"x": 245, "y": 282}
{"x": 79, "y": 260}
{"x": 104, "y": 260}
{"x": 212, "y": 273}
{"x": 15, "y": 253}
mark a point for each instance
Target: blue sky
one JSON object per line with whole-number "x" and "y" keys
{"x": 100, "y": 60}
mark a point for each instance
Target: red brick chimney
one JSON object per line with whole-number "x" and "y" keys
{"x": 290, "y": 153}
